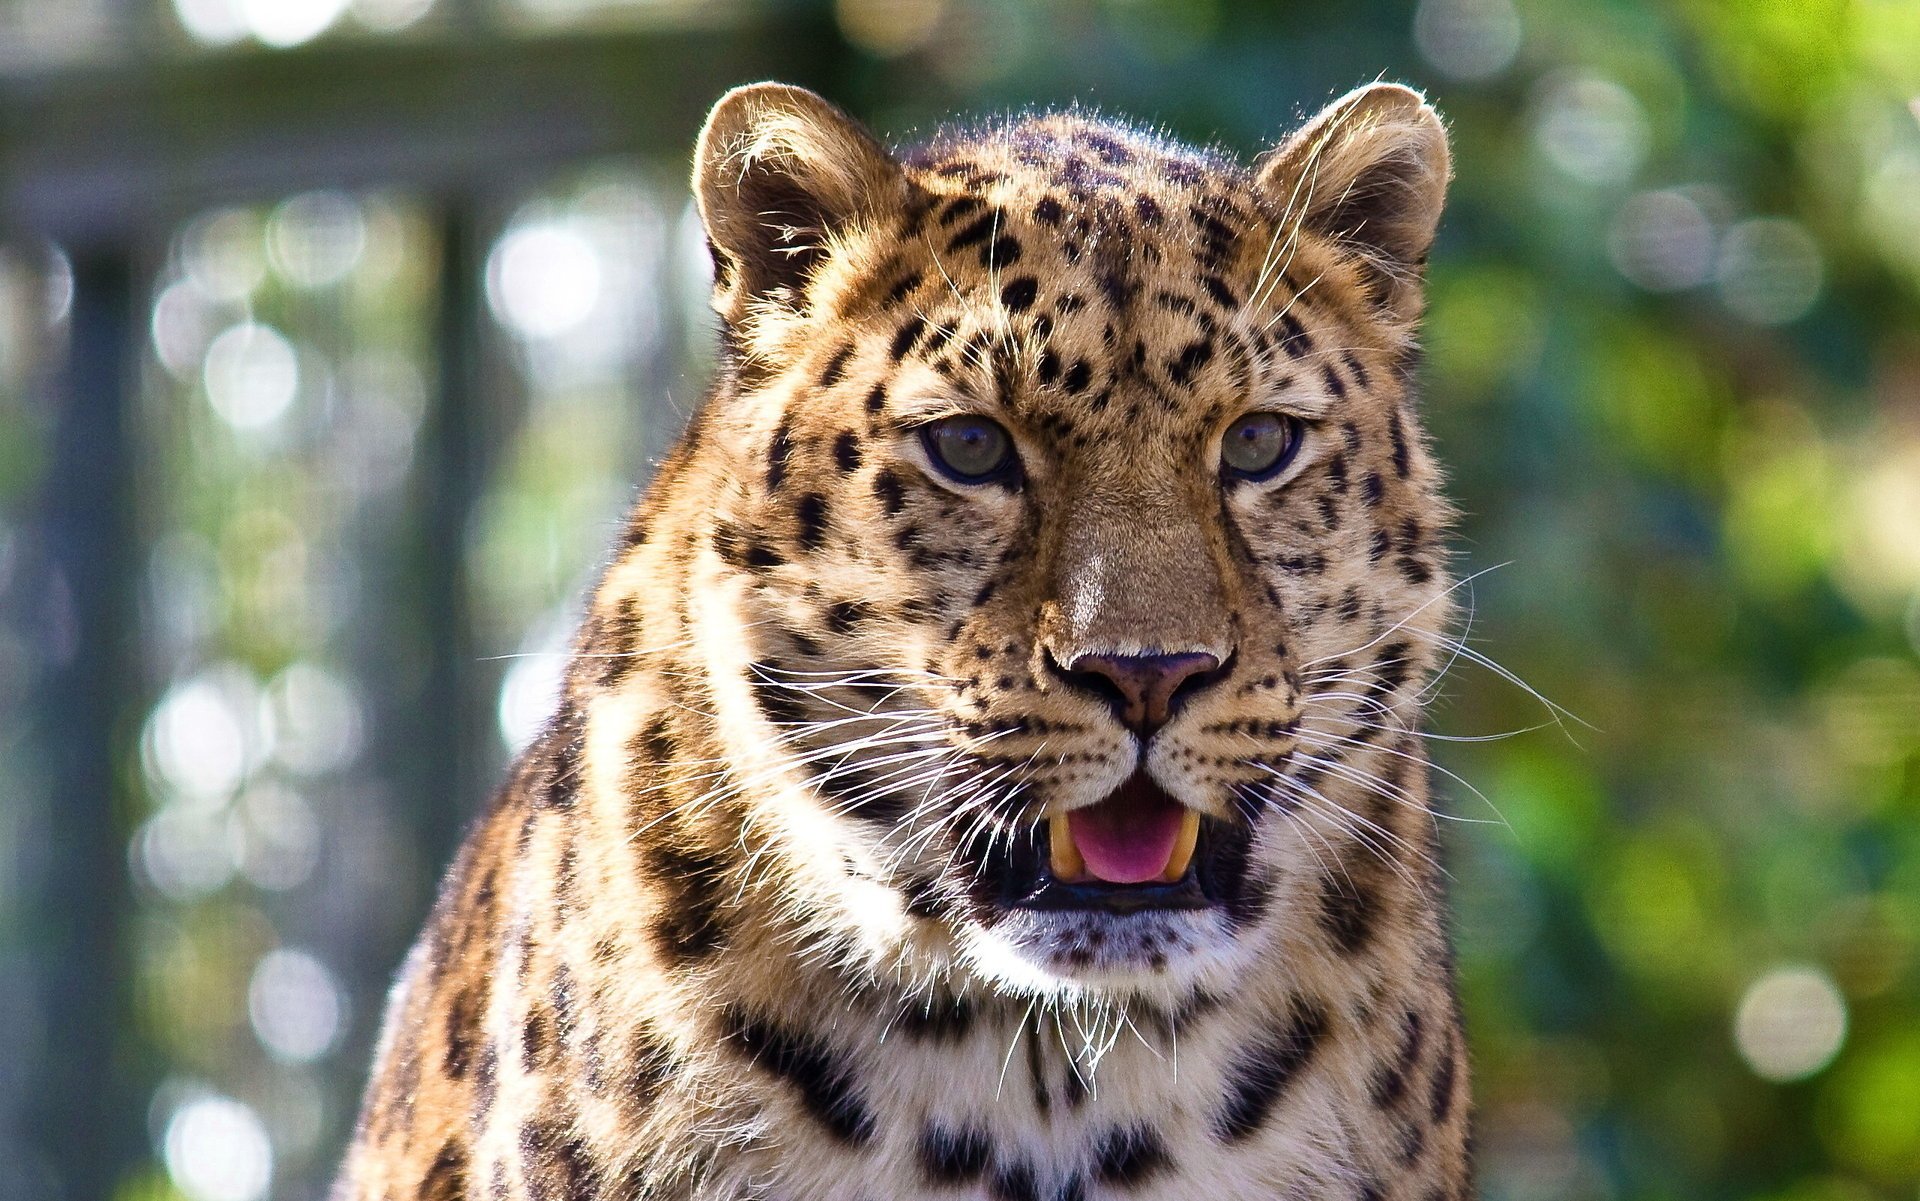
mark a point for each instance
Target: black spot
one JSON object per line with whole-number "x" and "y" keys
{"x": 462, "y": 1018}
{"x": 1191, "y": 359}
{"x": 1078, "y": 377}
{"x": 1349, "y": 607}
{"x": 1074, "y": 1087}
{"x": 877, "y": 399}
{"x": 1003, "y": 251}
{"x": 1372, "y": 489}
{"x": 1116, "y": 287}
{"x": 843, "y": 617}
{"x": 558, "y": 1166}
{"x": 975, "y": 232}
{"x": 1294, "y": 339}
{"x": 904, "y": 288}
{"x": 1389, "y": 1086}
{"x": 1334, "y": 383}
{"x": 1110, "y": 149}
{"x": 1347, "y": 906}
{"x": 1049, "y": 366}
{"x": 534, "y": 1039}
{"x": 959, "y": 207}
{"x": 1441, "y": 1093}
{"x": 1129, "y": 1157}
{"x": 1014, "y": 1182}
{"x": 779, "y": 703}
{"x": 691, "y": 922}
{"x": 903, "y": 341}
{"x": 836, "y": 368}
{"x": 779, "y": 451}
{"x": 1048, "y": 211}
{"x": 1394, "y": 666}
{"x": 893, "y": 497}
{"x": 825, "y": 1082}
{"x": 953, "y": 1156}
{"x": 561, "y": 747}
{"x": 1148, "y": 210}
{"x": 811, "y": 513}
{"x": 846, "y": 451}
{"x": 1218, "y": 289}
{"x": 760, "y": 556}
{"x": 1402, "y": 456}
{"x": 1018, "y": 293}
{"x": 1268, "y": 1070}
{"x": 446, "y": 1178}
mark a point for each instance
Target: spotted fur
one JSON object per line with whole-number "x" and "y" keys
{"x": 731, "y": 930}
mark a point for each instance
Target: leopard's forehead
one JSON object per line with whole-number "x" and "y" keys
{"x": 1093, "y": 279}
{"x": 1114, "y": 200}
{"x": 1082, "y": 157}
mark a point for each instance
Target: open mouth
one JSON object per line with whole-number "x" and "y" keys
{"x": 1138, "y": 850}
{"x": 1138, "y": 835}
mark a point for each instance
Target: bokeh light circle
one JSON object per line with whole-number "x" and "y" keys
{"x": 296, "y": 1007}
{"x": 1769, "y": 271}
{"x": 211, "y": 22}
{"x": 889, "y": 27}
{"x": 543, "y": 279}
{"x": 252, "y": 375}
{"x": 316, "y": 238}
{"x": 1467, "y": 39}
{"x": 283, "y": 23}
{"x": 217, "y": 1150}
{"x": 1590, "y": 128}
{"x": 1790, "y": 1023}
{"x": 1662, "y": 241}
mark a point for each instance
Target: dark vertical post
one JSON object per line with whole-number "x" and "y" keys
{"x": 449, "y": 770}
{"x": 86, "y": 1113}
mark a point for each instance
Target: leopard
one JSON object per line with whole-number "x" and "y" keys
{"x": 991, "y": 763}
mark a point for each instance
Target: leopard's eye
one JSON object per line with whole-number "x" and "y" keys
{"x": 969, "y": 449}
{"x": 1259, "y": 445}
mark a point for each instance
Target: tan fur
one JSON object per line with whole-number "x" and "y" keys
{"x": 725, "y": 933}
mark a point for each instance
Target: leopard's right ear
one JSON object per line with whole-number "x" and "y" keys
{"x": 779, "y": 173}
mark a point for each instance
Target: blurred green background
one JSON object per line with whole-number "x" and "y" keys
{"x": 335, "y": 334}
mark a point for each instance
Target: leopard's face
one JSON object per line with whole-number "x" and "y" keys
{"x": 1075, "y": 525}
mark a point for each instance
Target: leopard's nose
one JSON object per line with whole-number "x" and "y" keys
{"x": 1145, "y": 690}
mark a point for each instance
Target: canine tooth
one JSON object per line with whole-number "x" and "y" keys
{"x": 1067, "y": 863}
{"x": 1183, "y": 845}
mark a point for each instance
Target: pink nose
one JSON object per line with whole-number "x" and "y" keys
{"x": 1144, "y": 690}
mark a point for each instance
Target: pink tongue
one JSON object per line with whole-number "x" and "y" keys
{"x": 1127, "y": 838}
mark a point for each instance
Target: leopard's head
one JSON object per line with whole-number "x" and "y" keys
{"x": 1072, "y": 537}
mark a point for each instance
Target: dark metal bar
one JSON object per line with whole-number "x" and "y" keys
{"x": 95, "y": 154}
{"x": 457, "y": 457}
{"x": 88, "y": 1118}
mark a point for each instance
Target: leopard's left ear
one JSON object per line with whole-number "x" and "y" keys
{"x": 777, "y": 174}
{"x": 1369, "y": 171}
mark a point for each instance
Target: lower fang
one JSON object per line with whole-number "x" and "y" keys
{"x": 1183, "y": 845}
{"x": 1065, "y": 857}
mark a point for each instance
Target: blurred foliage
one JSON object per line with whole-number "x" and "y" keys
{"x": 1673, "y": 360}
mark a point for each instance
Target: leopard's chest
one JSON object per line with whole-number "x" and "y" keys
{"x": 1005, "y": 1113}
